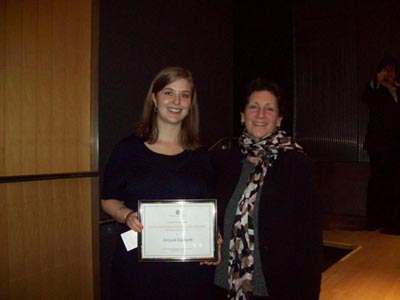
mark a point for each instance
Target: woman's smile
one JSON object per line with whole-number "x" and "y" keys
{"x": 261, "y": 115}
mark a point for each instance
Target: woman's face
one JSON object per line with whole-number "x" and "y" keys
{"x": 173, "y": 102}
{"x": 261, "y": 115}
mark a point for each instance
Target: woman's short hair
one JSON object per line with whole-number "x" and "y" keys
{"x": 147, "y": 126}
{"x": 262, "y": 84}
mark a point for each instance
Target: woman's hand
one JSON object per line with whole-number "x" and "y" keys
{"x": 214, "y": 263}
{"x": 133, "y": 222}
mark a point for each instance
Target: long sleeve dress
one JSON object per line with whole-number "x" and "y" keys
{"x": 135, "y": 172}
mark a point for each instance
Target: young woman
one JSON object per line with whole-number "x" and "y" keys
{"x": 163, "y": 161}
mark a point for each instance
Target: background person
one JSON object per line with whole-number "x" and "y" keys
{"x": 382, "y": 142}
{"x": 272, "y": 236}
{"x": 163, "y": 161}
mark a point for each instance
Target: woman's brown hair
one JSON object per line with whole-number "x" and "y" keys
{"x": 147, "y": 127}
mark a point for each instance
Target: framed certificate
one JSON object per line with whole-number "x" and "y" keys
{"x": 178, "y": 230}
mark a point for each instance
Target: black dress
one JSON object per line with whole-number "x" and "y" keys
{"x": 134, "y": 172}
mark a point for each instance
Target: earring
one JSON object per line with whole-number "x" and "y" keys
{"x": 155, "y": 109}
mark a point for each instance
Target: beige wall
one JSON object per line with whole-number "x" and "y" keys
{"x": 47, "y": 228}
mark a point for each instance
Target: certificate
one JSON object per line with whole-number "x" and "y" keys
{"x": 178, "y": 230}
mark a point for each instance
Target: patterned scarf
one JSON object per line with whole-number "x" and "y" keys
{"x": 241, "y": 246}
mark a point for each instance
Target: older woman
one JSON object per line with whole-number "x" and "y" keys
{"x": 272, "y": 239}
{"x": 162, "y": 161}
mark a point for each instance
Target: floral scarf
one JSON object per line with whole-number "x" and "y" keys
{"x": 241, "y": 246}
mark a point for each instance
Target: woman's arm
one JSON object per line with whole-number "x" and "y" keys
{"x": 122, "y": 214}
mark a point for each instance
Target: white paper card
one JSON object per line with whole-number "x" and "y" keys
{"x": 130, "y": 239}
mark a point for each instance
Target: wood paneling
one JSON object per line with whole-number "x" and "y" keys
{"x": 50, "y": 245}
{"x": 46, "y": 108}
{"x": 4, "y": 270}
{"x": 2, "y": 86}
{"x": 49, "y": 228}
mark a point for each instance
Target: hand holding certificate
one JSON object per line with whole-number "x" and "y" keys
{"x": 177, "y": 230}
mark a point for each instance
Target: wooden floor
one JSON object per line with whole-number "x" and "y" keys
{"x": 371, "y": 272}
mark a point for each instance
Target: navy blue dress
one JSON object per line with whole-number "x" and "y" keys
{"x": 135, "y": 172}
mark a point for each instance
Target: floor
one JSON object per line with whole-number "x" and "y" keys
{"x": 370, "y": 272}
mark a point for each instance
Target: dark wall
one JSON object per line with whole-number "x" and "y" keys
{"x": 139, "y": 38}
{"x": 263, "y": 46}
{"x": 225, "y": 43}
{"x": 338, "y": 46}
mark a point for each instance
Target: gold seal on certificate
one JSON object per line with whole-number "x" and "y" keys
{"x": 178, "y": 230}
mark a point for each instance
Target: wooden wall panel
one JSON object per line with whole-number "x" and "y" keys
{"x": 47, "y": 88}
{"x": 13, "y": 58}
{"x": 3, "y": 246}
{"x": 2, "y": 86}
{"x": 44, "y": 92}
{"x": 50, "y": 248}
{"x": 48, "y": 229}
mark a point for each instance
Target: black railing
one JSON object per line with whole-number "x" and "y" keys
{"x": 55, "y": 176}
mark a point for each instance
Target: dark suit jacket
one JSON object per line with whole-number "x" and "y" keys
{"x": 384, "y": 119}
{"x": 289, "y": 222}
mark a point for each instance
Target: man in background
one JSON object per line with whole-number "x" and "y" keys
{"x": 382, "y": 142}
